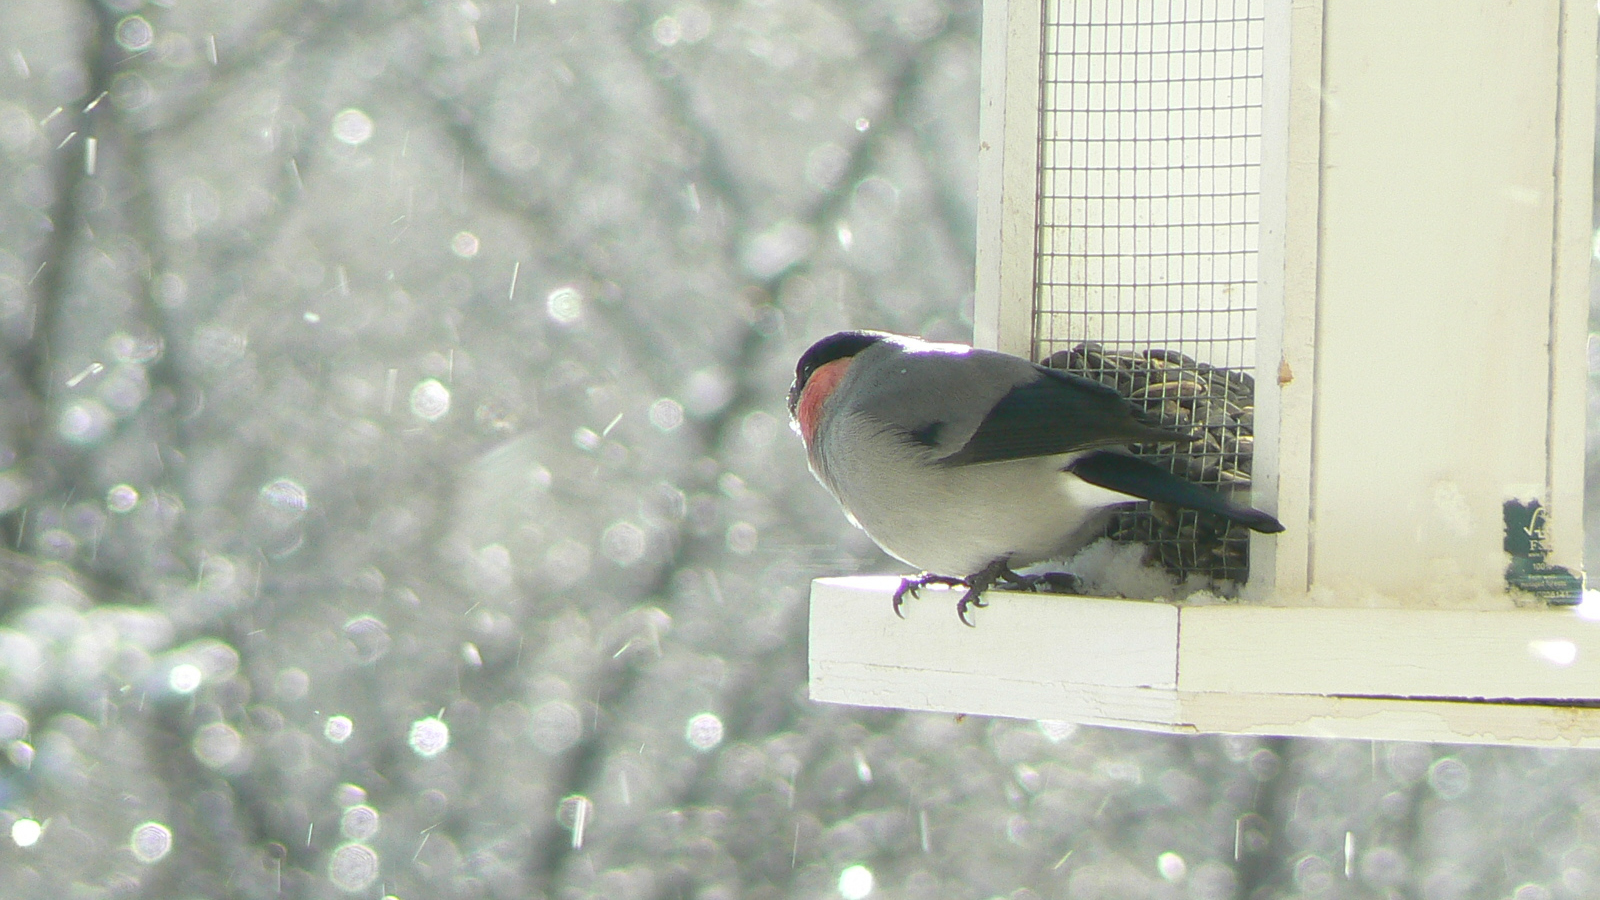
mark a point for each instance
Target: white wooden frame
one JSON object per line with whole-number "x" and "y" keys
{"x": 1008, "y": 175}
{"x": 1496, "y": 676}
{"x": 1424, "y": 267}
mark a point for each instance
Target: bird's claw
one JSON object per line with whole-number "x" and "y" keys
{"x": 999, "y": 573}
{"x": 910, "y": 586}
{"x": 972, "y": 598}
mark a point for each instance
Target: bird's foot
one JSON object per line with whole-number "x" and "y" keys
{"x": 995, "y": 573}
{"x": 999, "y": 573}
{"x": 980, "y": 581}
{"x": 1043, "y": 582}
{"x": 910, "y": 586}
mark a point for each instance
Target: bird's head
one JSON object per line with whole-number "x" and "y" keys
{"x": 818, "y": 374}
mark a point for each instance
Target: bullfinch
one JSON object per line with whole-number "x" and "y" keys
{"x": 966, "y": 463}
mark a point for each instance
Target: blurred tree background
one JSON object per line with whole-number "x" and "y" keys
{"x": 396, "y": 495}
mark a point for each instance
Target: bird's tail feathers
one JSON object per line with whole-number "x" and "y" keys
{"x": 1135, "y": 477}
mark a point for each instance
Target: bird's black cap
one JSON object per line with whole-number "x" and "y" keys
{"x": 840, "y": 345}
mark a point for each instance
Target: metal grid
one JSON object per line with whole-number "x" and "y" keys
{"x": 1148, "y": 234}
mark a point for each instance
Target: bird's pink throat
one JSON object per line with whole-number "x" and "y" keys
{"x": 819, "y": 387}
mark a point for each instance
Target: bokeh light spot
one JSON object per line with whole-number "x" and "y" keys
{"x": 429, "y": 737}
{"x": 13, "y": 724}
{"x": 338, "y": 729}
{"x": 286, "y": 496}
{"x": 704, "y": 732}
{"x": 565, "y": 305}
{"x": 122, "y": 498}
{"x": 352, "y": 126}
{"x": 353, "y": 867}
{"x": 291, "y": 684}
{"x": 26, "y": 832}
{"x": 666, "y": 31}
{"x": 134, "y": 34}
{"x": 368, "y": 637}
{"x": 150, "y": 842}
{"x": 218, "y": 745}
{"x": 464, "y": 244}
{"x": 430, "y": 400}
{"x": 185, "y": 678}
{"x": 623, "y": 543}
{"x": 555, "y": 726}
{"x": 359, "y": 822}
{"x": 84, "y": 422}
{"x": 666, "y": 414}
{"x": 855, "y": 882}
{"x": 742, "y": 538}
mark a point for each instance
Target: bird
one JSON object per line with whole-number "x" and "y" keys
{"x": 967, "y": 463}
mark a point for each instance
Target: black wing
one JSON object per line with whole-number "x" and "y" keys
{"x": 1057, "y": 412}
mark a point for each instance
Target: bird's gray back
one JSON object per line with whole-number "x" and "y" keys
{"x": 938, "y": 394}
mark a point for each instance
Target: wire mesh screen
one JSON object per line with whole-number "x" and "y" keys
{"x": 1148, "y": 235}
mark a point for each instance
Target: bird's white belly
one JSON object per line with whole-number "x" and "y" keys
{"x": 955, "y": 520}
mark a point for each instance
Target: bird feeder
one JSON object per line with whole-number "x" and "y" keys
{"x": 1375, "y": 217}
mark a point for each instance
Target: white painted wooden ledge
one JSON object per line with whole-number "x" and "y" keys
{"x": 1507, "y": 676}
